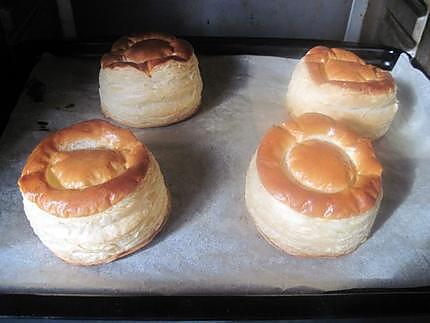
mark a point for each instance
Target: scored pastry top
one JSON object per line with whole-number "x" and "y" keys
{"x": 145, "y": 51}
{"x": 319, "y": 167}
{"x": 345, "y": 69}
{"x": 84, "y": 169}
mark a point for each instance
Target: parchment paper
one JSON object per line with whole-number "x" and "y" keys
{"x": 210, "y": 245}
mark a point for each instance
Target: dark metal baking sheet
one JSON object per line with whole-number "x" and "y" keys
{"x": 219, "y": 301}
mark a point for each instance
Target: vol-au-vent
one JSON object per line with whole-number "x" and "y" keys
{"x": 93, "y": 193}
{"x": 338, "y": 83}
{"x": 314, "y": 187}
{"x": 149, "y": 80}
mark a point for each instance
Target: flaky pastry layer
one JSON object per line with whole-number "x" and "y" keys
{"x": 171, "y": 94}
{"x": 300, "y": 234}
{"x": 339, "y": 84}
{"x": 110, "y": 234}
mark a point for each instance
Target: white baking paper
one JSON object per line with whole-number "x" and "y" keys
{"x": 210, "y": 245}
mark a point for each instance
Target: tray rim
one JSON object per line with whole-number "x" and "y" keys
{"x": 385, "y": 56}
{"x": 359, "y": 303}
{"x": 352, "y": 303}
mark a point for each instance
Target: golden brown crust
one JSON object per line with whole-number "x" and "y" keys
{"x": 145, "y": 51}
{"x": 52, "y": 195}
{"x": 346, "y": 70}
{"x": 338, "y": 172}
{"x": 354, "y": 197}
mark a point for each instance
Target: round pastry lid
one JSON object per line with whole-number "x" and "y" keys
{"x": 319, "y": 167}
{"x": 145, "y": 51}
{"x": 84, "y": 169}
{"x": 342, "y": 68}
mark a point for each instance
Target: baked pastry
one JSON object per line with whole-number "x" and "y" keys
{"x": 93, "y": 193}
{"x": 150, "y": 80}
{"x": 314, "y": 187}
{"x": 338, "y": 83}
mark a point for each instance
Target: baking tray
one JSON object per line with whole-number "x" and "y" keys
{"x": 289, "y": 305}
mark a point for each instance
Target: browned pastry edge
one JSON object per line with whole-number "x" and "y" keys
{"x": 358, "y": 197}
{"x": 63, "y": 202}
{"x": 145, "y": 51}
{"x": 356, "y": 74}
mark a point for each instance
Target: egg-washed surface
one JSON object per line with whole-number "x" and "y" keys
{"x": 79, "y": 169}
{"x": 339, "y": 84}
{"x": 308, "y": 158}
{"x": 116, "y": 232}
{"x": 346, "y": 70}
{"x": 210, "y": 245}
{"x": 145, "y": 51}
{"x": 319, "y": 167}
{"x": 83, "y": 169}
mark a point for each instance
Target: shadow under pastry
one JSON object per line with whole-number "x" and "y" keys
{"x": 397, "y": 180}
{"x": 399, "y": 169}
{"x": 222, "y": 77}
{"x": 186, "y": 171}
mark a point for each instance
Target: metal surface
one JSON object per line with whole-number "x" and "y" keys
{"x": 355, "y": 21}
{"x": 67, "y": 20}
{"x": 384, "y": 57}
{"x": 311, "y": 19}
{"x": 401, "y": 26}
{"x": 339, "y": 305}
{"x": 210, "y": 245}
{"x": 423, "y": 51}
